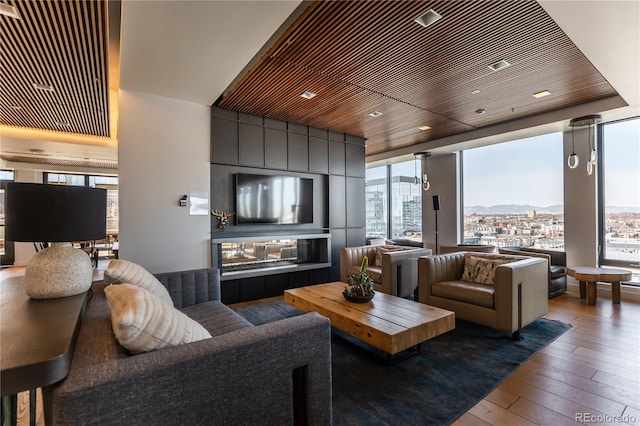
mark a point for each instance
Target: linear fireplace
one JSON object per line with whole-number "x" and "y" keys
{"x": 239, "y": 257}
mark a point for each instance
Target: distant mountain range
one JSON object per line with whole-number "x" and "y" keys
{"x": 525, "y": 208}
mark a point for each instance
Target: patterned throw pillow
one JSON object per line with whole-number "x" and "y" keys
{"x": 122, "y": 271}
{"x": 142, "y": 322}
{"x": 481, "y": 270}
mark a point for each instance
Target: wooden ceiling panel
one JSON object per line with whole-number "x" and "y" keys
{"x": 63, "y": 45}
{"x": 361, "y": 56}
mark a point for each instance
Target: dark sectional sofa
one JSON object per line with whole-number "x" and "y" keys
{"x": 276, "y": 373}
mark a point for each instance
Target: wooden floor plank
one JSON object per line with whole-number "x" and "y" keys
{"x": 496, "y": 415}
{"x": 569, "y": 391}
{"x": 625, "y": 396}
{"x": 546, "y": 399}
{"x": 502, "y": 398}
{"x": 539, "y": 414}
{"x": 544, "y": 360}
{"x": 468, "y": 419}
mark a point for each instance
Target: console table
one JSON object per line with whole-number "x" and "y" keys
{"x": 38, "y": 340}
{"x": 589, "y": 277}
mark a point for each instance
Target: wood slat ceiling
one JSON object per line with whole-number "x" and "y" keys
{"x": 364, "y": 56}
{"x": 62, "y": 44}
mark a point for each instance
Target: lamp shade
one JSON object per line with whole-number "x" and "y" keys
{"x": 51, "y": 213}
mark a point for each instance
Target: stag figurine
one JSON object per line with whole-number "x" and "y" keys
{"x": 223, "y": 217}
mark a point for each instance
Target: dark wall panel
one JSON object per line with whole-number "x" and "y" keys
{"x": 354, "y": 156}
{"x": 242, "y": 143}
{"x": 252, "y": 288}
{"x": 251, "y": 145}
{"x": 276, "y": 284}
{"x": 338, "y": 241}
{"x": 318, "y": 155}
{"x": 337, "y": 202}
{"x": 275, "y": 149}
{"x": 225, "y": 151}
{"x": 337, "y": 158}
{"x": 356, "y": 237}
{"x": 356, "y": 200}
{"x": 298, "y": 152}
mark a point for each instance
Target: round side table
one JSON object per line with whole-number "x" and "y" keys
{"x": 590, "y": 276}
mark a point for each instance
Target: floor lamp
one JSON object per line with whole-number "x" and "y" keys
{"x": 436, "y": 207}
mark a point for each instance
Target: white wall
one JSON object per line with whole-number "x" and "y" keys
{"x": 163, "y": 154}
{"x": 442, "y": 172}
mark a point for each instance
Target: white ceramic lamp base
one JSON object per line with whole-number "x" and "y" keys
{"x": 58, "y": 271}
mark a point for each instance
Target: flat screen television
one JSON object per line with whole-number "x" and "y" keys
{"x": 263, "y": 199}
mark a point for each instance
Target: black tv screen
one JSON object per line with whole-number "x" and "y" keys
{"x": 273, "y": 199}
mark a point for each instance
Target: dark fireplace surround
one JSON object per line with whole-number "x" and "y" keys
{"x": 261, "y": 260}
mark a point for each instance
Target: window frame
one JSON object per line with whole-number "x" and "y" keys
{"x": 389, "y": 194}
{"x": 601, "y": 152}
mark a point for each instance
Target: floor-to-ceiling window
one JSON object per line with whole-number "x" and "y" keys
{"x": 513, "y": 193}
{"x": 394, "y": 202}
{"x": 376, "y": 202}
{"x": 406, "y": 202}
{"x": 619, "y": 193}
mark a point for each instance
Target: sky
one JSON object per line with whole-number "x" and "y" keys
{"x": 530, "y": 171}
{"x": 525, "y": 171}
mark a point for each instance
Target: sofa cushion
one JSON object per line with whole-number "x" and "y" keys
{"x": 216, "y": 318}
{"x": 557, "y": 271}
{"x": 123, "y": 271}
{"x": 477, "y": 294}
{"x": 143, "y": 322}
{"x": 481, "y": 270}
{"x": 373, "y": 271}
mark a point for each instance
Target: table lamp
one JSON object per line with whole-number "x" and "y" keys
{"x": 58, "y": 215}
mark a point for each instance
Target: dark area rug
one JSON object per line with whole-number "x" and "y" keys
{"x": 449, "y": 375}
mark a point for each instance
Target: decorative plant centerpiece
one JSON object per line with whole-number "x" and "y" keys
{"x": 360, "y": 288}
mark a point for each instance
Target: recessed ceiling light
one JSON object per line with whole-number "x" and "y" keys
{"x": 8, "y": 10}
{"x": 501, "y": 64}
{"x": 423, "y": 128}
{"x": 480, "y": 111}
{"x": 541, "y": 94}
{"x": 36, "y": 151}
{"x": 428, "y": 18}
{"x": 63, "y": 124}
{"x": 40, "y": 86}
{"x": 475, "y": 92}
{"x": 375, "y": 114}
{"x": 307, "y": 95}
{"x": 15, "y": 107}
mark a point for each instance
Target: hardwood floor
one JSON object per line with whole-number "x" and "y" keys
{"x": 592, "y": 370}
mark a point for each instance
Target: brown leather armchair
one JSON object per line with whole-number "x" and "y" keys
{"x": 517, "y": 297}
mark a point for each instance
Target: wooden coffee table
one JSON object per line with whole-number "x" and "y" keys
{"x": 391, "y": 324}
{"x": 589, "y": 277}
